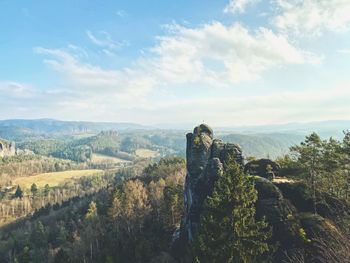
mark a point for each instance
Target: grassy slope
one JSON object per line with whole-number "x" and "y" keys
{"x": 100, "y": 158}
{"x": 53, "y": 179}
{"x": 146, "y": 153}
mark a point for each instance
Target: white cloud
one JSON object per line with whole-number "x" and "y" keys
{"x": 309, "y": 105}
{"x": 239, "y": 6}
{"x": 94, "y": 79}
{"x": 222, "y": 110}
{"x": 211, "y": 55}
{"x": 186, "y": 55}
{"x": 344, "y": 51}
{"x": 15, "y": 89}
{"x": 104, "y": 39}
{"x": 121, "y": 13}
{"x": 312, "y": 17}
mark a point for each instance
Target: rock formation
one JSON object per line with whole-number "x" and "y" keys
{"x": 7, "y": 148}
{"x": 265, "y": 168}
{"x": 287, "y": 206}
{"x": 205, "y": 157}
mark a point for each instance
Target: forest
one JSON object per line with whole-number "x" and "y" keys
{"x": 175, "y": 131}
{"x": 135, "y": 213}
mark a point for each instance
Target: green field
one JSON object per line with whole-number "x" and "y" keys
{"x": 146, "y": 153}
{"x": 53, "y": 179}
{"x": 100, "y": 158}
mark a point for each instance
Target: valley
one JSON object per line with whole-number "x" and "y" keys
{"x": 65, "y": 181}
{"x": 175, "y": 131}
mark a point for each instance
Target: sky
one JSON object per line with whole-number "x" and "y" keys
{"x": 227, "y": 63}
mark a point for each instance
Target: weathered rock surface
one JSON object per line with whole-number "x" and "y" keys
{"x": 7, "y": 148}
{"x": 265, "y": 168}
{"x": 205, "y": 157}
{"x": 287, "y": 207}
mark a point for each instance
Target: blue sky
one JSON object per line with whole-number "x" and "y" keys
{"x": 235, "y": 62}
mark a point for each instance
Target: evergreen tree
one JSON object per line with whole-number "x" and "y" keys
{"x": 46, "y": 190}
{"x": 346, "y": 163}
{"x": 331, "y": 157}
{"x": 34, "y": 189}
{"x": 228, "y": 230}
{"x": 309, "y": 155}
{"x": 39, "y": 235}
{"x": 19, "y": 192}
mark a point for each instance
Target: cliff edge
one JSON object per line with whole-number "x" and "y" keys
{"x": 286, "y": 206}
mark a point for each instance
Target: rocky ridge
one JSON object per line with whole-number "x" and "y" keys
{"x": 287, "y": 206}
{"x": 205, "y": 157}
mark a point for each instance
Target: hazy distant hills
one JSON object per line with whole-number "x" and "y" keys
{"x": 269, "y": 145}
{"x": 333, "y": 128}
{"x": 41, "y": 128}
{"x": 259, "y": 141}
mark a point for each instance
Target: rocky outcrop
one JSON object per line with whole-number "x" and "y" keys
{"x": 265, "y": 168}
{"x": 286, "y": 206}
{"x": 7, "y": 148}
{"x": 205, "y": 158}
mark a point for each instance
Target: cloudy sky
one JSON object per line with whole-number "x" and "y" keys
{"x": 237, "y": 62}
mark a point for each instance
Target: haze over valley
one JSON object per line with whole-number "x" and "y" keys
{"x": 175, "y": 131}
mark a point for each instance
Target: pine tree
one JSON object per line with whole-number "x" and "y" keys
{"x": 346, "y": 163}
{"x": 228, "y": 230}
{"x": 46, "y": 190}
{"x": 309, "y": 155}
{"x": 331, "y": 164}
{"x": 19, "y": 192}
{"x": 34, "y": 189}
{"x": 39, "y": 235}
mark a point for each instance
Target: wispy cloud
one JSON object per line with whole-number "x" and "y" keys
{"x": 308, "y": 105}
{"x": 211, "y": 56}
{"x": 344, "y": 51}
{"x": 312, "y": 17}
{"x": 121, "y": 13}
{"x": 104, "y": 39}
{"x": 239, "y": 6}
{"x": 16, "y": 89}
{"x": 187, "y": 54}
{"x": 221, "y": 110}
{"x": 93, "y": 78}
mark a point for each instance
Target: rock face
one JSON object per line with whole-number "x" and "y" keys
{"x": 7, "y": 148}
{"x": 287, "y": 206}
{"x": 205, "y": 157}
{"x": 265, "y": 168}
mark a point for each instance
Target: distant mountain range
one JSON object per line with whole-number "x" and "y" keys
{"x": 259, "y": 141}
{"x": 38, "y": 127}
{"x": 330, "y": 128}
{"x": 325, "y": 128}
{"x": 267, "y": 145}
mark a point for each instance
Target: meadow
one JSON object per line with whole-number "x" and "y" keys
{"x": 100, "y": 158}
{"x": 146, "y": 153}
{"x": 54, "y": 179}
